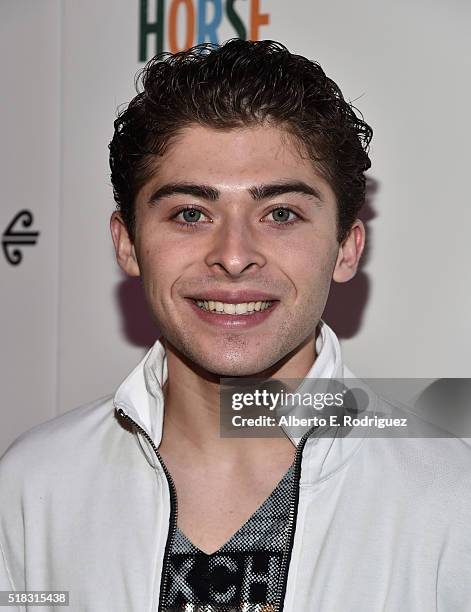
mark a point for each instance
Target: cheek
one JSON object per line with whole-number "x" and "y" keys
{"x": 162, "y": 263}
{"x": 311, "y": 262}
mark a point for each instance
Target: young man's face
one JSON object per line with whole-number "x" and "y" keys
{"x": 261, "y": 227}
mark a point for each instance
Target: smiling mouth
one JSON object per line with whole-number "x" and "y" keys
{"x": 225, "y": 308}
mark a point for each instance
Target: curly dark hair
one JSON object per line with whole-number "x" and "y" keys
{"x": 240, "y": 83}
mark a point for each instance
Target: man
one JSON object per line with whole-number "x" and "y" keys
{"x": 239, "y": 173}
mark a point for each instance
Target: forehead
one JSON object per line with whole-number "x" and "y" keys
{"x": 235, "y": 158}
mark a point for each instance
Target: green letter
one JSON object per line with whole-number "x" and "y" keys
{"x": 155, "y": 27}
{"x": 236, "y": 21}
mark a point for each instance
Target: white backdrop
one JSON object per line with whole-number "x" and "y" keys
{"x": 72, "y": 326}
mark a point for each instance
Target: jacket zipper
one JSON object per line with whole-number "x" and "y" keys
{"x": 281, "y": 591}
{"x": 292, "y": 520}
{"x": 173, "y": 506}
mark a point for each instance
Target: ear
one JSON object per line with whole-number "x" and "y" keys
{"x": 124, "y": 247}
{"x": 349, "y": 253}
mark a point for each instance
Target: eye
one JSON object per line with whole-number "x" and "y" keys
{"x": 281, "y": 215}
{"x": 191, "y": 215}
{"x": 188, "y": 216}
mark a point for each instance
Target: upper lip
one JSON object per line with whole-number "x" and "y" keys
{"x": 235, "y": 297}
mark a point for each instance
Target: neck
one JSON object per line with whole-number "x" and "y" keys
{"x": 192, "y": 397}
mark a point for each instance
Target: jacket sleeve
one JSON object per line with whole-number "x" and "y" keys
{"x": 6, "y": 581}
{"x": 454, "y": 570}
{"x": 11, "y": 529}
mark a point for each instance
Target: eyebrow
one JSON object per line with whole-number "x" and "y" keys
{"x": 199, "y": 191}
{"x": 262, "y": 192}
{"x": 258, "y": 192}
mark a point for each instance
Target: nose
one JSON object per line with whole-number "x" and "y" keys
{"x": 234, "y": 248}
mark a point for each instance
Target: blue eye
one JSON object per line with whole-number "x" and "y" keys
{"x": 282, "y": 215}
{"x": 191, "y": 215}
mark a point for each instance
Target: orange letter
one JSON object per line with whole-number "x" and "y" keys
{"x": 173, "y": 25}
{"x": 257, "y": 19}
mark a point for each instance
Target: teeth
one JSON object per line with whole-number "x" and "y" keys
{"x": 244, "y": 308}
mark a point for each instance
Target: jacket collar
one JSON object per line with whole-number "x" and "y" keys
{"x": 141, "y": 397}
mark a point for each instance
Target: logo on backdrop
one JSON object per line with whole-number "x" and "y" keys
{"x": 14, "y": 238}
{"x": 180, "y": 24}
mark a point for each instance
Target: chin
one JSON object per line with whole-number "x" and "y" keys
{"x": 234, "y": 371}
{"x": 237, "y": 367}
{"x": 222, "y": 359}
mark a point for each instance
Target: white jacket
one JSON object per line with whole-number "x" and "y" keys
{"x": 381, "y": 525}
